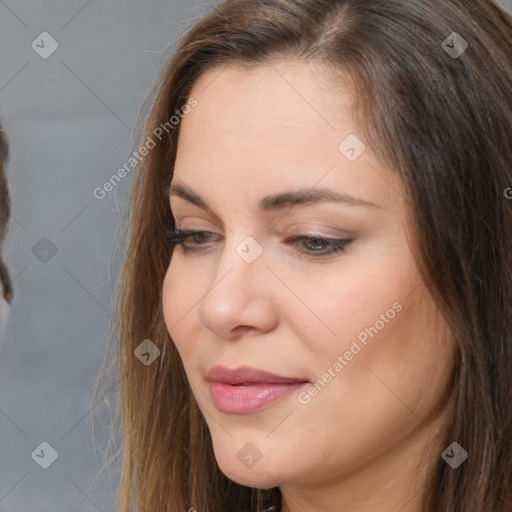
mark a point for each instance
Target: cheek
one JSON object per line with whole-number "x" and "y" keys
{"x": 353, "y": 309}
{"x": 394, "y": 345}
{"x": 376, "y": 327}
{"x": 180, "y": 296}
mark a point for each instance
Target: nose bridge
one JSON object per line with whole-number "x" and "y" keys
{"x": 241, "y": 261}
{"x": 237, "y": 294}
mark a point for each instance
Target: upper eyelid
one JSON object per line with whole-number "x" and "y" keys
{"x": 320, "y": 225}
{"x": 213, "y": 218}
{"x": 306, "y": 227}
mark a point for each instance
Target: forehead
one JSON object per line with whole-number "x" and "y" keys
{"x": 270, "y": 127}
{"x": 278, "y": 103}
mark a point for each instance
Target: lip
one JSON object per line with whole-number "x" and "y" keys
{"x": 245, "y": 389}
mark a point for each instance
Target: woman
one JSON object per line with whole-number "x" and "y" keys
{"x": 315, "y": 305}
{"x": 7, "y": 293}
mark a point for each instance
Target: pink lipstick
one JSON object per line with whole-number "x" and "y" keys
{"x": 246, "y": 390}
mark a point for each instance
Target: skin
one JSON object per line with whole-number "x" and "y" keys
{"x": 367, "y": 439}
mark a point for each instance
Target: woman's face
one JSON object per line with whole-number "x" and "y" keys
{"x": 357, "y": 324}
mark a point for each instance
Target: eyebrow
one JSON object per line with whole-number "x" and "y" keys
{"x": 279, "y": 201}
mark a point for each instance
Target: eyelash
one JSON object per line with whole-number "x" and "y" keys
{"x": 335, "y": 246}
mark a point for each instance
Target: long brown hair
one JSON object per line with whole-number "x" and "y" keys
{"x": 5, "y": 212}
{"x": 443, "y": 121}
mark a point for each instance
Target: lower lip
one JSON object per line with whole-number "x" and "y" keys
{"x": 246, "y": 399}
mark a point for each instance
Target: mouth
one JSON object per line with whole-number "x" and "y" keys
{"x": 247, "y": 384}
{"x": 246, "y": 390}
{"x": 247, "y": 375}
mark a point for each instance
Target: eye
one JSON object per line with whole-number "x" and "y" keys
{"x": 324, "y": 246}
{"x": 308, "y": 244}
{"x": 178, "y": 237}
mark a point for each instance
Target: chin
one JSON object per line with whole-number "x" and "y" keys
{"x": 259, "y": 479}
{"x": 237, "y": 465}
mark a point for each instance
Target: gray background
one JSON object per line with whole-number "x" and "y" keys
{"x": 70, "y": 119}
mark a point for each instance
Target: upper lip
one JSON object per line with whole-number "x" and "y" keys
{"x": 247, "y": 375}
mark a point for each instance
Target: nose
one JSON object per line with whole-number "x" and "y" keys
{"x": 239, "y": 298}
